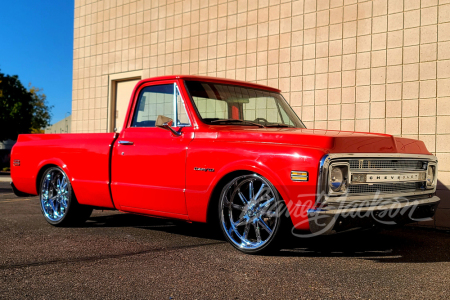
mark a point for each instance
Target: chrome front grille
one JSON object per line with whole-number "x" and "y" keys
{"x": 385, "y": 188}
{"x": 394, "y": 167}
{"x": 369, "y": 164}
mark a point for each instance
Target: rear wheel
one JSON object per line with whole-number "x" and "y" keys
{"x": 250, "y": 214}
{"x": 58, "y": 203}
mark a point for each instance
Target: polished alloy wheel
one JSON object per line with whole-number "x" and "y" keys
{"x": 54, "y": 194}
{"x": 249, "y": 212}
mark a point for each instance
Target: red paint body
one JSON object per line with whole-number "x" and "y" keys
{"x": 156, "y": 176}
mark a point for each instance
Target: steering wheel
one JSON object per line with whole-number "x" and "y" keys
{"x": 258, "y": 120}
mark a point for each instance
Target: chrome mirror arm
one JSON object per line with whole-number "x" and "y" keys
{"x": 168, "y": 127}
{"x": 166, "y": 123}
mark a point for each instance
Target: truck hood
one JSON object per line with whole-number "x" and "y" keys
{"x": 330, "y": 141}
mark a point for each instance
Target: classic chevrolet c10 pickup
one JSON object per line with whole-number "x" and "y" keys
{"x": 232, "y": 153}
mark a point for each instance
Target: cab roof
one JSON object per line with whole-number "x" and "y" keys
{"x": 212, "y": 79}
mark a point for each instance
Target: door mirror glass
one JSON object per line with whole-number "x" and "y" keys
{"x": 166, "y": 123}
{"x": 163, "y": 120}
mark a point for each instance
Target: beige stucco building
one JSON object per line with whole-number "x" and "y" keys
{"x": 378, "y": 66}
{"x": 63, "y": 126}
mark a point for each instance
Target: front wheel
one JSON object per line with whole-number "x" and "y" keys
{"x": 250, "y": 213}
{"x": 58, "y": 203}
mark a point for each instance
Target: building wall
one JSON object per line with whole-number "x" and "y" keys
{"x": 63, "y": 126}
{"x": 378, "y": 66}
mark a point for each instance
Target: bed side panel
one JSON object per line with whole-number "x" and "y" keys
{"x": 84, "y": 158}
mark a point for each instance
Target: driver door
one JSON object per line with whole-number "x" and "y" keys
{"x": 148, "y": 163}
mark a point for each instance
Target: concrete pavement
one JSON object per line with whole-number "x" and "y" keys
{"x": 5, "y": 178}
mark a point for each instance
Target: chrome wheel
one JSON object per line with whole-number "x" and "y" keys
{"x": 249, "y": 212}
{"x": 55, "y": 193}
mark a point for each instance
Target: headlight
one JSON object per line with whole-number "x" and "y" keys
{"x": 338, "y": 179}
{"x": 431, "y": 173}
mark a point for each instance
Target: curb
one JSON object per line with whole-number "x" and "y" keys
{"x": 5, "y": 178}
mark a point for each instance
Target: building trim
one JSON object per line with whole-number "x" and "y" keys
{"x": 112, "y": 84}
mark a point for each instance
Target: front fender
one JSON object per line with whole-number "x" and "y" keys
{"x": 250, "y": 166}
{"x": 274, "y": 162}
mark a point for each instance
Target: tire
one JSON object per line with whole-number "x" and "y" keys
{"x": 251, "y": 215}
{"x": 57, "y": 200}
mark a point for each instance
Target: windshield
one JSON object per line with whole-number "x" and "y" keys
{"x": 221, "y": 104}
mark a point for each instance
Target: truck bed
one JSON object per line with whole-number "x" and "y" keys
{"x": 85, "y": 157}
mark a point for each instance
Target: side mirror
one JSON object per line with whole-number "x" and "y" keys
{"x": 166, "y": 123}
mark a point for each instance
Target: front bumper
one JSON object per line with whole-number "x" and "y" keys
{"x": 328, "y": 220}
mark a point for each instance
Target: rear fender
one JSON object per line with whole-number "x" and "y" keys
{"x": 47, "y": 163}
{"x": 19, "y": 193}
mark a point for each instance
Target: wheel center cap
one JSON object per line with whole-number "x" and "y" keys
{"x": 251, "y": 209}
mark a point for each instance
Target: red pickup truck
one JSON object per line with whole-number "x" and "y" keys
{"x": 232, "y": 153}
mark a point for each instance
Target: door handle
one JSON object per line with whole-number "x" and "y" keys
{"x": 125, "y": 143}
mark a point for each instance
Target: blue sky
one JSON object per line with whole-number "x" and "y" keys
{"x": 36, "y": 43}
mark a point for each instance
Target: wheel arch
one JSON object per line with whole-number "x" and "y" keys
{"x": 45, "y": 165}
{"x": 226, "y": 176}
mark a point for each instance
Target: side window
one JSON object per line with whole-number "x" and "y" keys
{"x": 182, "y": 117}
{"x": 159, "y": 100}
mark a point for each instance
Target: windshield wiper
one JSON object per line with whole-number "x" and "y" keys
{"x": 278, "y": 125}
{"x": 238, "y": 121}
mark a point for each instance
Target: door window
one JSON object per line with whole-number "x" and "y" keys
{"x": 158, "y": 100}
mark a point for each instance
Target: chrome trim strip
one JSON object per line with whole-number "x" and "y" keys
{"x": 177, "y": 92}
{"x": 435, "y": 179}
{"x": 374, "y": 202}
{"x": 323, "y": 169}
{"x": 382, "y": 155}
{"x": 371, "y": 196}
{"x": 175, "y": 106}
{"x": 387, "y": 172}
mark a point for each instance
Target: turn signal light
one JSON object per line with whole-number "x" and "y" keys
{"x": 299, "y": 176}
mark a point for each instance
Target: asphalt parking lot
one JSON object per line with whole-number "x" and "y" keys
{"x": 120, "y": 255}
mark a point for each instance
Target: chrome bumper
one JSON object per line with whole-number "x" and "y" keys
{"x": 329, "y": 220}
